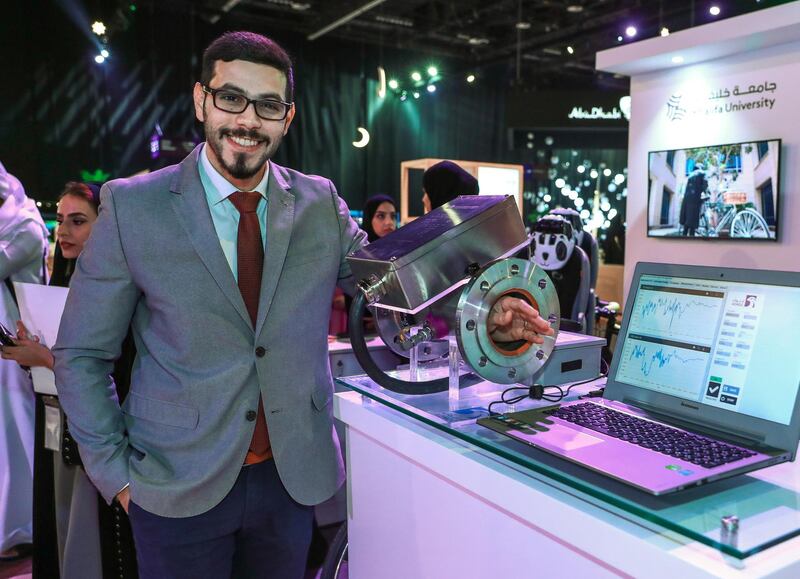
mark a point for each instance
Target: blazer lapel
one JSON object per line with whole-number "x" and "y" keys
{"x": 280, "y": 218}
{"x": 191, "y": 207}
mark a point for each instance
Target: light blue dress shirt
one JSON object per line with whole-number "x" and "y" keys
{"x": 223, "y": 213}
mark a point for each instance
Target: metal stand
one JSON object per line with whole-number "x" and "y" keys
{"x": 413, "y": 360}
{"x": 454, "y": 358}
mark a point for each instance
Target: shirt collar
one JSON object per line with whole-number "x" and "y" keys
{"x": 222, "y": 187}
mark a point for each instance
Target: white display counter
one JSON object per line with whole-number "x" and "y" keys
{"x": 426, "y": 504}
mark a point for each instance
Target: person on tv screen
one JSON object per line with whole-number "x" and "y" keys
{"x": 692, "y": 201}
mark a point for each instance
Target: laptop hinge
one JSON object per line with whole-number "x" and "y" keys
{"x": 745, "y": 438}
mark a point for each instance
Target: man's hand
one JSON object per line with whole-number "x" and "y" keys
{"x": 514, "y": 319}
{"x": 124, "y": 498}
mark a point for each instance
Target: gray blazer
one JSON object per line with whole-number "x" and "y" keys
{"x": 154, "y": 262}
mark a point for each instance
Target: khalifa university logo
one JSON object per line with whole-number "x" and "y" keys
{"x": 675, "y": 111}
{"x": 725, "y": 100}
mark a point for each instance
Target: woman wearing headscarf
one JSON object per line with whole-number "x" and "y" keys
{"x": 380, "y": 217}
{"x": 443, "y": 182}
{"x": 77, "y": 535}
{"x": 23, "y": 253}
{"x": 379, "y": 220}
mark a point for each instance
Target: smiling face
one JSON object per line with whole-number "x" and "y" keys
{"x": 239, "y": 144}
{"x": 75, "y": 218}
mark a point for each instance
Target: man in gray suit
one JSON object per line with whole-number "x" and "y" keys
{"x": 224, "y": 266}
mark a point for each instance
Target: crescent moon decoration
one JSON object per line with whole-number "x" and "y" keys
{"x": 364, "y": 140}
{"x": 381, "y": 82}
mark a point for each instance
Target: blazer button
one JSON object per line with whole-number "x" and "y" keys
{"x": 261, "y": 351}
{"x": 251, "y": 415}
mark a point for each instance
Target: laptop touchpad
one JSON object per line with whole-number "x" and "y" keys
{"x": 567, "y": 439}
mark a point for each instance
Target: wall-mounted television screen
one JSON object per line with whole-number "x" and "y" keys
{"x": 715, "y": 192}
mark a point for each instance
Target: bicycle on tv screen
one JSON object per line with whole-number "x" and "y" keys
{"x": 715, "y": 192}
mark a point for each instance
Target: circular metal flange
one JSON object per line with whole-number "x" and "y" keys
{"x": 498, "y": 362}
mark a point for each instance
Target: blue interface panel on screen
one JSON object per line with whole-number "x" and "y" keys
{"x": 727, "y": 344}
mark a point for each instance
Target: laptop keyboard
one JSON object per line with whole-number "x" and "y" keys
{"x": 694, "y": 448}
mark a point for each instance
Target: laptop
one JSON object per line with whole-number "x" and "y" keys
{"x": 703, "y": 386}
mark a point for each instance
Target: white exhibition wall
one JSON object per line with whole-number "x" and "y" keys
{"x": 749, "y": 96}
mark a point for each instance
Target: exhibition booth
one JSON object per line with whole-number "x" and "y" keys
{"x": 456, "y": 481}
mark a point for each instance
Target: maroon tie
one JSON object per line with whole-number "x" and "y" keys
{"x": 250, "y": 252}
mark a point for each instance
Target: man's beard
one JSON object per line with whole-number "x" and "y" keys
{"x": 240, "y": 169}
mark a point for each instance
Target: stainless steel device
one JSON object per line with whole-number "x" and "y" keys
{"x": 440, "y": 275}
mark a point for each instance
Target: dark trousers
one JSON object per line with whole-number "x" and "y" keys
{"x": 256, "y": 531}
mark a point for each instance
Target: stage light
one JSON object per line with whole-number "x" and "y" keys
{"x": 677, "y": 59}
{"x": 574, "y": 8}
{"x": 570, "y": 50}
{"x": 607, "y": 172}
{"x": 619, "y": 178}
{"x": 580, "y": 168}
{"x": 104, "y": 53}
{"x": 98, "y": 28}
{"x": 665, "y": 31}
{"x": 619, "y": 38}
{"x": 415, "y": 76}
{"x": 630, "y": 31}
{"x": 547, "y": 198}
{"x": 470, "y": 78}
{"x": 416, "y": 95}
{"x": 593, "y": 173}
{"x": 99, "y": 59}
{"x": 714, "y": 10}
{"x": 431, "y": 88}
{"x": 393, "y": 84}
{"x": 560, "y": 183}
{"x": 404, "y": 96}
{"x": 433, "y": 71}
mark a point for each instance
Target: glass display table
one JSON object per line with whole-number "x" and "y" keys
{"x": 739, "y": 517}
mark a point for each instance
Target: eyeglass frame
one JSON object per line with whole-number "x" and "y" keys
{"x": 213, "y": 92}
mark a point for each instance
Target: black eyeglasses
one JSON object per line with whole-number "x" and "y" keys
{"x": 234, "y": 102}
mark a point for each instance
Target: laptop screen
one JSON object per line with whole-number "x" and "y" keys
{"x": 730, "y": 345}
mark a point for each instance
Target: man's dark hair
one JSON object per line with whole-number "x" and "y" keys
{"x": 251, "y": 47}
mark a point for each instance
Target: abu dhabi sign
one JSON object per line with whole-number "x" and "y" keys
{"x": 568, "y": 109}
{"x": 601, "y": 113}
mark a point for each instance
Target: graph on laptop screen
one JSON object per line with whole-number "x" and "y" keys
{"x": 730, "y": 345}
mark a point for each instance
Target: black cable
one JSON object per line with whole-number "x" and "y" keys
{"x": 539, "y": 392}
{"x": 369, "y": 366}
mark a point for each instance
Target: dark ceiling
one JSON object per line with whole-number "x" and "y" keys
{"x": 530, "y": 37}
